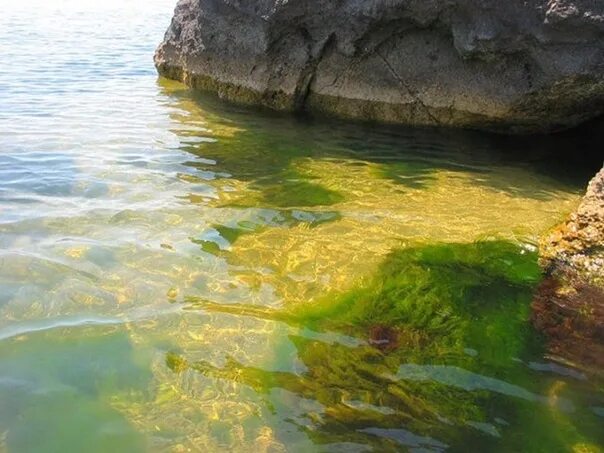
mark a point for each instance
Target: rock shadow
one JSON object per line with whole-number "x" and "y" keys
{"x": 261, "y": 147}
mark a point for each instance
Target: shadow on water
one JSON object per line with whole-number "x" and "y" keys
{"x": 221, "y": 237}
{"x": 433, "y": 351}
{"x": 293, "y": 169}
{"x": 263, "y": 149}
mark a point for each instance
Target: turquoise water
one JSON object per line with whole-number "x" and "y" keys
{"x": 178, "y": 274}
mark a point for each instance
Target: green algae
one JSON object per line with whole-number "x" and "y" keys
{"x": 175, "y": 362}
{"x": 465, "y": 295}
{"x": 300, "y": 193}
{"x": 277, "y": 100}
{"x": 100, "y": 215}
{"x": 219, "y": 239}
{"x": 458, "y": 294}
{"x": 454, "y": 317}
{"x": 225, "y": 236}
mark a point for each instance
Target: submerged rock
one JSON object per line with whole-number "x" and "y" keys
{"x": 531, "y": 66}
{"x": 569, "y": 305}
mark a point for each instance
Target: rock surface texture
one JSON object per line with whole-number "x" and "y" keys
{"x": 510, "y": 66}
{"x": 569, "y": 305}
{"x": 578, "y": 244}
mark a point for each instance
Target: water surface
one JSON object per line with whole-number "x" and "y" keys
{"x": 178, "y": 274}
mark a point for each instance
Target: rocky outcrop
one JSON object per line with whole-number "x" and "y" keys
{"x": 569, "y": 305}
{"x": 578, "y": 244}
{"x": 509, "y": 66}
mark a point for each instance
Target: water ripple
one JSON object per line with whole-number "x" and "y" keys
{"x": 154, "y": 240}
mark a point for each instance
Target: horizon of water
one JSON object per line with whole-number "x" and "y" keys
{"x": 180, "y": 274}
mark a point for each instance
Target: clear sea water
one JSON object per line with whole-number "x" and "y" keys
{"x": 179, "y": 274}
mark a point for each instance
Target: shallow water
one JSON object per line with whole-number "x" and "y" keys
{"x": 177, "y": 274}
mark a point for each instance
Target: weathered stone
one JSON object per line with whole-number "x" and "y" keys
{"x": 509, "y": 66}
{"x": 569, "y": 304}
{"x": 577, "y": 245}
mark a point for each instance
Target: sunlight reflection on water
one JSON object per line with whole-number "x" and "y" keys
{"x": 153, "y": 243}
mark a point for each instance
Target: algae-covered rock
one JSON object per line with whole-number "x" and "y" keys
{"x": 578, "y": 244}
{"x": 569, "y": 305}
{"x": 530, "y": 66}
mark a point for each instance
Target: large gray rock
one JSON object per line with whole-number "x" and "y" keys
{"x": 513, "y": 66}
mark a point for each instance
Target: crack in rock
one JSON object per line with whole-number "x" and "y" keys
{"x": 411, "y": 92}
{"x": 309, "y": 72}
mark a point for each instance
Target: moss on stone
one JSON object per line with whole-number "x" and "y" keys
{"x": 277, "y": 100}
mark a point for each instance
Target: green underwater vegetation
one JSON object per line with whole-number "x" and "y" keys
{"x": 297, "y": 192}
{"x": 437, "y": 341}
{"x": 182, "y": 274}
